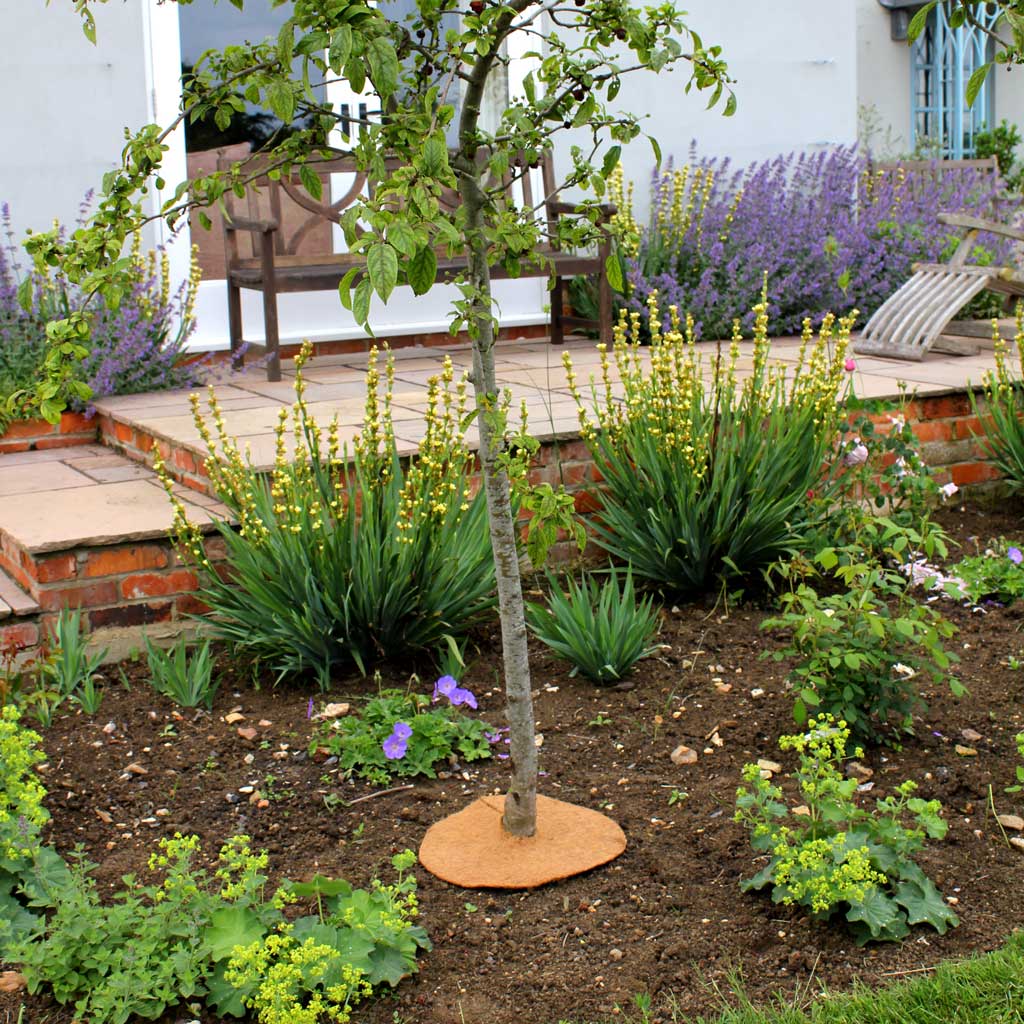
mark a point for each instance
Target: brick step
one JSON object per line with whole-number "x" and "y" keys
{"x": 85, "y": 527}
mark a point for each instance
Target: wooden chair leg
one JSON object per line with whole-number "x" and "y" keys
{"x": 557, "y": 312}
{"x": 235, "y": 326}
{"x": 270, "y": 322}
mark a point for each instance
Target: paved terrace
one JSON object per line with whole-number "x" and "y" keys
{"x": 51, "y": 500}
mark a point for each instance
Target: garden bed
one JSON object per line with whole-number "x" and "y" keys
{"x": 667, "y": 917}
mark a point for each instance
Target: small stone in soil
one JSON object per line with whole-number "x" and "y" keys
{"x": 136, "y": 769}
{"x": 1014, "y": 821}
{"x": 757, "y": 692}
{"x": 970, "y": 735}
{"x": 683, "y": 755}
{"x": 861, "y": 772}
{"x": 769, "y": 766}
{"x": 232, "y": 798}
{"x": 1017, "y": 842}
{"x": 965, "y": 751}
{"x": 616, "y": 954}
{"x": 233, "y": 717}
{"x": 247, "y": 732}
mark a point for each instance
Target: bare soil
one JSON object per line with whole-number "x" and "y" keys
{"x": 666, "y": 918}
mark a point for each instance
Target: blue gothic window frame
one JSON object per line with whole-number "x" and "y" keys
{"x": 941, "y": 63}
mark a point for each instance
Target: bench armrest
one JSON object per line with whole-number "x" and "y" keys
{"x": 556, "y": 208}
{"x": 242, "y": 224}
{"x": 971, "y": 223}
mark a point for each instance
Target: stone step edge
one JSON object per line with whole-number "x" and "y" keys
{"x": 14, "y": 602}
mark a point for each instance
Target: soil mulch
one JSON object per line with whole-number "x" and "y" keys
{"x": 667, "y": 917}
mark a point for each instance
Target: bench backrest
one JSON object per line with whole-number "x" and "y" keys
{"x": 306, "y": 224}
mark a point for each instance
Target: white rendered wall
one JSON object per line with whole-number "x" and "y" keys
{"x": 66, "y": 103}
{"x": 883, "y": 81}
{"x": 795, "y": 65}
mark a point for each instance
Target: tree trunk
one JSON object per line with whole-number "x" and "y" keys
{"x": 521, "y": 801}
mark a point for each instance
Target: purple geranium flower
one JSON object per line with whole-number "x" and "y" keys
{"x": 460, "y": 696}
{"x": 444, "y": 687}
{"x": 394, "y": 747}
{"x": 1014, "y": 555}
{"x": 401, "y": 730}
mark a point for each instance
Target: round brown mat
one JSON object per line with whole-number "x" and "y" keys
{"x": 472, "y": 849}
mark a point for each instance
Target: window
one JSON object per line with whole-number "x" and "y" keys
{"x": 942, "y": 62}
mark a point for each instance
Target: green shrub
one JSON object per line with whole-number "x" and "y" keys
{"x": 188, "y": 681}
{"x": 26, "y": 866}
{"x": 335, "y": 564}
{"x": 835, "y": 855}
{"x": 996, "y": 574}
{"x": 708, "y": 479}
{"x": 1002, "y": 420}
{"x": 194, "y": 934}
{"x": 404, "y": 734}
{"x": 599, "y": 628}
{"x": 859, "y": 649}
{"x": 323, "y": 964}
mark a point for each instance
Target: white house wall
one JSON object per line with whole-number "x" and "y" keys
{"x": 795, "y": 65}
{"x": 883, "y": 81}
{"x": 66, "y": 103}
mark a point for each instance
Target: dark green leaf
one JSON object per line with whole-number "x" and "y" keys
{"x": 382, "y": 267}
{"x": 422, "y": 270}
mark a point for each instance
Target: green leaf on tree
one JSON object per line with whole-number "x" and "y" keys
{"x": 382, "y": 266}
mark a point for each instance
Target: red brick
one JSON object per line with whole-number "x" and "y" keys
{"x": 77, "y": 423}
{"x": 587, "y": 502}
{"x": 131, "y": 614}
{"x": 144, "y": 442}
{"x": 59, "y": 567}
{"x": 24, "y": 634}
{"x": 14, "y": 569}
{"x": 30, "y": 428}
{"x": 92, "y": 595}
{"x": 576, "y": 473}
{"x": 973, "y": 473}
{"x": 945, "y": 406}
{"x": 934, "y": 430}
{"x": 216, "y": 548}
{"x": 9, "y": 447}
{"x": 970, "y": 426}
{"x": 124, "y": 433}
{"x": 116, "y": 561}
{"x": 189, "y": 604}
{"x": 153, "y": 584}
{"x": 184, "y": 459}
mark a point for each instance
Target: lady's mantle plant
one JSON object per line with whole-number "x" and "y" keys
{"x": 830, "y": 855}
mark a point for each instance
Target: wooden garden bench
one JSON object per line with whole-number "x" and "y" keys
{"x": 290, "y": 247}
{"x": 912, "y": 320}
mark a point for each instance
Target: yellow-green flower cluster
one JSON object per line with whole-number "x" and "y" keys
{"x": 21, "y": 794}
{"x": 669, "y": 389}
{"x": 296, "y": 982}
{"x": 436, "y": 483}
{"x": 622, "y": 223}
{"x": 822, "y": 873}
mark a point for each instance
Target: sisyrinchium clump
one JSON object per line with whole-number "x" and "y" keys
{"x": 829, "y": 854}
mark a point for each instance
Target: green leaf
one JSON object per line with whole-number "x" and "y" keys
{"x": 613, "y": 271}
{"x": 281, "y": 100}
{"x": 361, "y": 300}
{"x": 878, "y": 912}
{"x": 434, "y": 157}
{"x": 383, "y": 63}
{"x": 286, "y": 44}
{"x": 924, "y": 903}
{"x": 919, "y": 20}
{"x": 340, "y": 48}
{"x": 224, "y": 998}
{"x": 311, "y": 181}
{"x": 231, "y": 927}
{"x": 422, "y": 270}
{"x": 320, "y": 885}
{"x": 402, "y": 237}
{"x": 976, "y": 81}
{"x": 611, "y": 161}
{"x": 382, "y": 267}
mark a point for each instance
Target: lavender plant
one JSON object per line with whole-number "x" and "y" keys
{"x": 828, "y": 231}
{"x": 137, "y": 346}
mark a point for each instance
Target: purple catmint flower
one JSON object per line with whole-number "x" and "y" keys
{"x": 309, "y": 708}
{"x": 402, "y": 730}
{"x": 1014, "y": 555}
